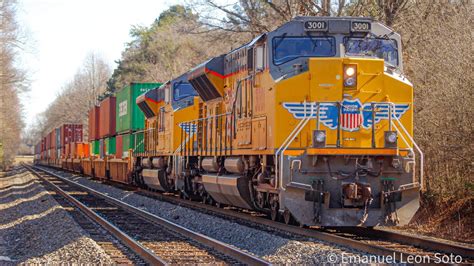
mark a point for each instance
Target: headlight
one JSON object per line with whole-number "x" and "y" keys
{"x": 350, "y": 82}
{"x": 319, "y": 138}
{"x": 391, "y": 139}
{"x": 350, "y": 75}
{"x": 350, "y": 71}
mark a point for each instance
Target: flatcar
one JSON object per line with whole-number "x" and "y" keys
{"x": 311, "y": 123}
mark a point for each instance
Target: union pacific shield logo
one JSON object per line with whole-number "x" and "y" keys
{"x": 354, "y": 114}
{"x": 351, "y": 115}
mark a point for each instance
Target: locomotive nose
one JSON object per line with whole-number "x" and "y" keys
{"x": 331, "y": 78}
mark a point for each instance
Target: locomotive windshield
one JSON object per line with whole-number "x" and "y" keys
{"x": 182, "y": 90}
{"x": 289, "y": 48}
{"x": 373, "y": 47}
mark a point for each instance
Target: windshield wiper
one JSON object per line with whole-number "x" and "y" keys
{"x": 279, "y": 42}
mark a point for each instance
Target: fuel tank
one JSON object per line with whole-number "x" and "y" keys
{"x": 228, "y": 189}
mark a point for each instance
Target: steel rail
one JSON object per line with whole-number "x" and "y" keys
{"x": 136, "y": 247}
{"x": 419, "y": 242}
{"x": 207, "y": 241}
{"x": 247, "y": 218}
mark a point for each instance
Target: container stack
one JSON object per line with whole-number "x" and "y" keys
{"x": 94, "y": 119}
{"x": 130, "y": 119}
{"x": 70, "y": 134}
{"x": 102, "y": 129}
{"x": 56, "y": 145}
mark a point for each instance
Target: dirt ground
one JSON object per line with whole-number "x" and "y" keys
{"x": 23, "y": 159}
{"x": 452, "y": 220}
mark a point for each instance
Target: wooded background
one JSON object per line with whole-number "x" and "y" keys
{"x": 13, "y": 82}
{"x": 437, "y": 51}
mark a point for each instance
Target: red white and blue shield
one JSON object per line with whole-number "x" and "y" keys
{"x": 351, "y": 112}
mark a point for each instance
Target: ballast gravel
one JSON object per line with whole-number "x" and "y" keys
{"x": 35, "y": 229}
{"x": 271, "y": 247}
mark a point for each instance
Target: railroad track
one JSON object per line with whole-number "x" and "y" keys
{"x": 118, "y": 252}
{"x": 378, "y": 242}
{"x": 155, "y": 240}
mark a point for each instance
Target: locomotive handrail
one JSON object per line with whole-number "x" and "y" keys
{"x": 207, "y": 120}
{"x": 414, "y": 144}
{"x": 280, "y": 152}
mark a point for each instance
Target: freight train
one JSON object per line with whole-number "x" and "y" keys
{"x": 311, "y": 123}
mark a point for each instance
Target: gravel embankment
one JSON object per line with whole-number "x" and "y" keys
{"x": 274, "y": 248}
{"x": 34, "y": 229}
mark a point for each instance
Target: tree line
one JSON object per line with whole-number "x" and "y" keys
{"x": 13, "y": 83}
{"x": 437, "y": 52}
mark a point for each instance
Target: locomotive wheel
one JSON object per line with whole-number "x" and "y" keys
{"x": 274, "y": 214}
{"x": 206, "y": 199}
{"x": 287, "y": 217}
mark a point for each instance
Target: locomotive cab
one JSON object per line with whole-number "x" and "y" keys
{"x": 165, "y": 108}
{"x": 346, "y": 157}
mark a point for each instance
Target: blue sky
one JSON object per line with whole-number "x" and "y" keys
{"x": 62, "y": 32}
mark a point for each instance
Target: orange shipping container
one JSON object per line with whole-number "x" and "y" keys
{"x": 94, "y": 119}
{"x": 82, "y": 150}
{"x": 107, "y": 118}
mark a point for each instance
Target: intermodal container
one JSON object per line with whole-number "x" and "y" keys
{"x": 101, "y": 148}
{"x": 94, "y": 148}
{"x": 48, "y": 141}
{"x": 53, "y": 154}
{"x": 129, "y": 142}
{"x": 53, "y": 140}
{"x": 67, "y": 150}
{"x": 107, "y": 118}
{"x": 119, "y": 146}
{"x": 84, "y": 150}
{"x": 79, "y": 150}
{"x": 129, "y": 116}
{"x": 58, "y": 137}
{"x": 94, "y": 118}
{"x": 37, "y": 148}
{"x": 110, "y": 146}
{"x": 71, "y": 133}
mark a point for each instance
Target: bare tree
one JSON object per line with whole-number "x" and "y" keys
{"x": 77, "y": 96}
{"x": 12, "y": 82}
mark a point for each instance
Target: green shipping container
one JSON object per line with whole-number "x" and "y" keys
{"x": 110, "y": 146}
{"x": 127, "y": 142}
{"x": 129, "y": 117}
{"x": 95, "y": 150}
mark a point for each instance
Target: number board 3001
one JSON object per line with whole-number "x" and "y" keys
{"x": 316, "y": 25}
{"x": 360, "y": 26}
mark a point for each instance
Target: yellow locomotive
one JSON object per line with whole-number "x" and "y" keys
{"x": 312, "y": 122}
